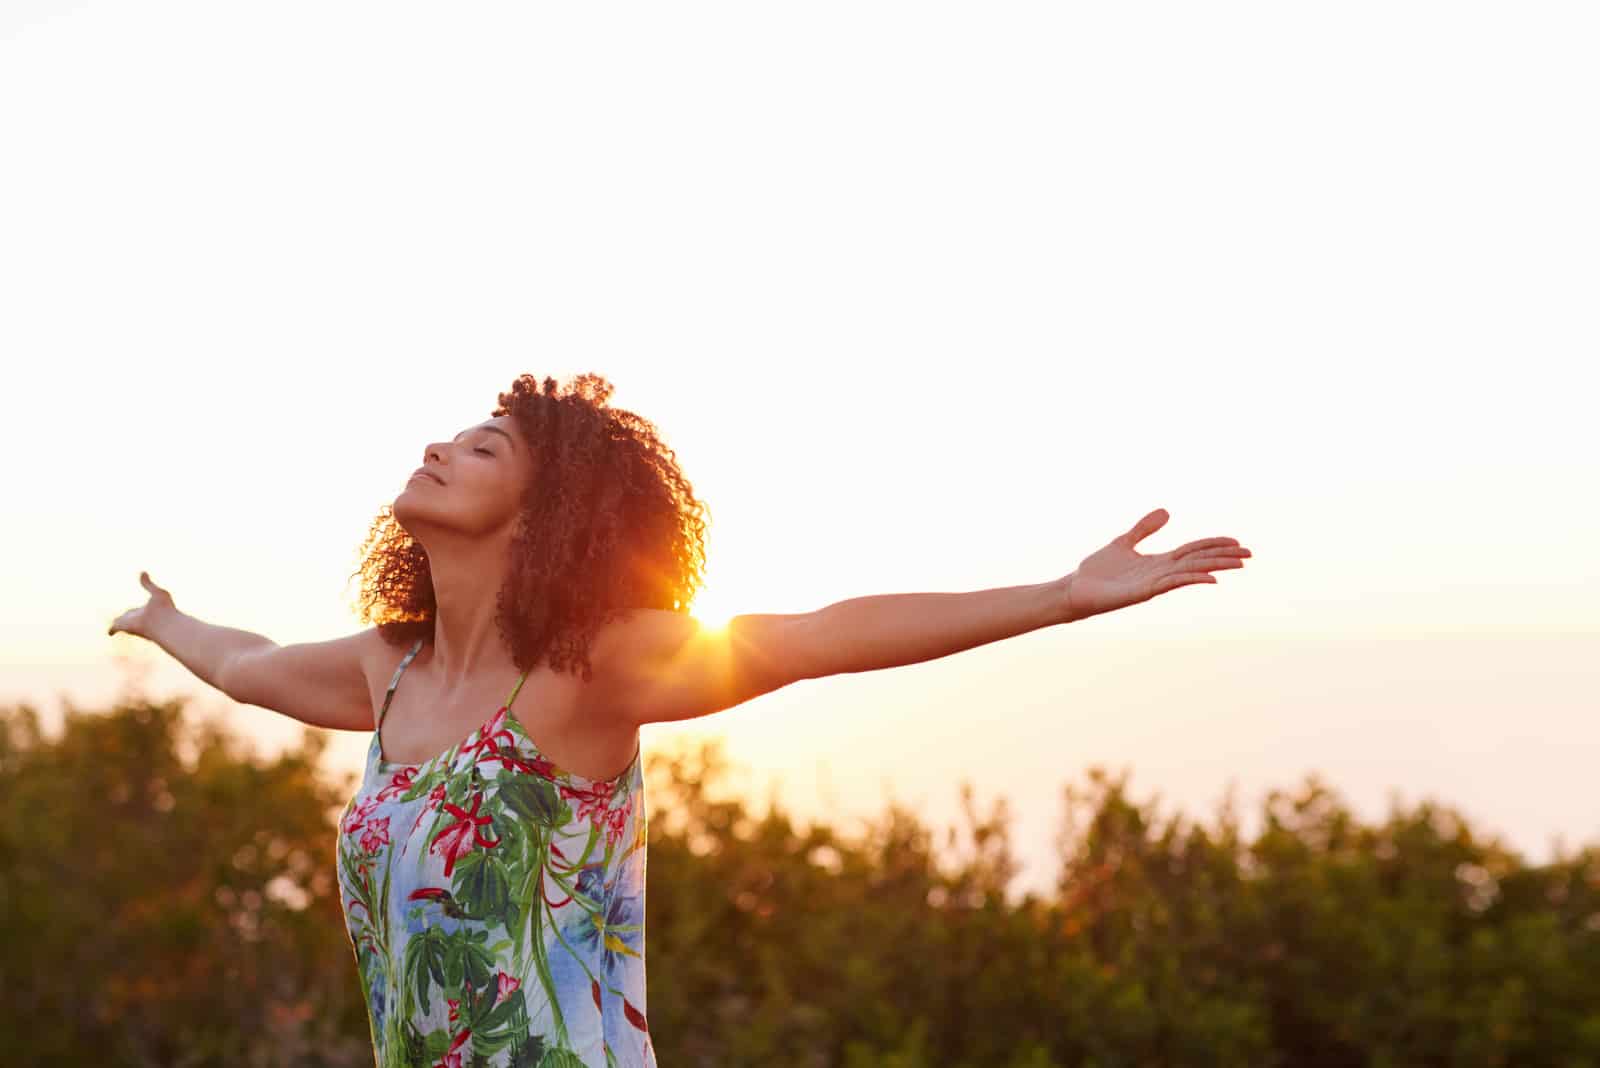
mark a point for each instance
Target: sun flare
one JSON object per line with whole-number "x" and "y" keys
{"x": 711, "y": 609}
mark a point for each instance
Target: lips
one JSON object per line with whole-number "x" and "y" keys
{"x": 423, "y": 472}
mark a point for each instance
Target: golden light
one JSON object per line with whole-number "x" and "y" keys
{"x": 712, "y": 609}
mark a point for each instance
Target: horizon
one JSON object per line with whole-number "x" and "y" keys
{"x": 923, "y": 300}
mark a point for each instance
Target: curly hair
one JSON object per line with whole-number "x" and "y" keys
{"x": 608, "y": 524}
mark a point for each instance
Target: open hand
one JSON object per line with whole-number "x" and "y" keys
{"x": 138, "y": 620}
{"x": 1117, "y": 576}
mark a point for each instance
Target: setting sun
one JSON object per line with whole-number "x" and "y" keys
{"x": 712, "y": 608}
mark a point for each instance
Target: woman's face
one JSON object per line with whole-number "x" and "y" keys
{"x": 470, "y": 485}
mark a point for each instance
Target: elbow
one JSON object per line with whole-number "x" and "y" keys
{"x": 768, "y": 651}
{"x": 796, "y": 653}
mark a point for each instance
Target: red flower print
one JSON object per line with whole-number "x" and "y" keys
{"x": 457, "y": 840}
{"x": 435, "y": 796}
{"x": 489, "y": 747}
{"x": 398, "y": 785}
{"x": 455, "y": 1008}
{"x": 489, "y": 736}
{"x": 376, "y": 834}
{"x": 541, "y": 767}
{"x": 593, "y": 801}
{"x": 616, "y": 820}
{"x": 634, "y": 1016}
{"x": 358, "y": 815}
{"x": 538, "y": 765}
{"x": 452, "y": 1058}
{"x": 508, "y": 985}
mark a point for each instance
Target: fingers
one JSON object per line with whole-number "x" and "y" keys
{"x": 1202, "y": 564}
{"x": 1208, "y": 543}
{"x": 1172, "y": 582}
{"x": 1196, "y": 569}
{"x": 120, "y": 621}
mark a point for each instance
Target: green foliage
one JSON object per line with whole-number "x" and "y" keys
{"x": 166, "y": 898}
{"x": 163, "y": 910}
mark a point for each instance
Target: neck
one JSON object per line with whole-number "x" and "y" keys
{"x": 467, "y": 645}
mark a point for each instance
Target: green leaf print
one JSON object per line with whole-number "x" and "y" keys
{"x": 434, "y": 1044}
{"x": 480, "y": 885}
{"x": 497, "y": 1016}
{"x": 541, "y": 961}
{"x": 454, "y": 967}
{"x": 529, "y": 1054}
{"x": 513, "y": 835}
{"x": 562, "y": 1058}
{"x": 524, "y": 874}
{"x": 506, "y": 1026}
{"x": 478, "y": 970}
{"x": 424, "y": 786}
{"x": 534, "y": 799}
{"x": 411, "y": 1049}
{"x": 425, "y": 955}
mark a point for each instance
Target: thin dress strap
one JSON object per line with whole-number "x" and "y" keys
{"x": 514, "y": 690}
{"x": 389, "y": 694}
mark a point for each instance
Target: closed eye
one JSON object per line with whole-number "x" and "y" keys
{"x": 486, "y": 452}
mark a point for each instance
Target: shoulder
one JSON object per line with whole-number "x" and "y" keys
{"x": 324, "y": 683}
{"x": 381, "y": 658}
{"x": 658, "y": 665}
{"x": 638, "y": 638}
{"x": 631, "y": 653}
{"x": 379, "y": 653}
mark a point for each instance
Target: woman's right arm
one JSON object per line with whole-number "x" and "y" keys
{"x": 323, "y": 684}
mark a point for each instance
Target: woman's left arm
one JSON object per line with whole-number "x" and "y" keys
{"x": 890, "y": 630}
{"x": 665, "y": 665}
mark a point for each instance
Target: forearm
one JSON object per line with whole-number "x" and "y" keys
{"x": 203, "y": 648}
{"x": 890, "y": 630}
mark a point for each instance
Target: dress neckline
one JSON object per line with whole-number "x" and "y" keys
{"x": 511, "y": 723}
{"x": 514, "y": 725}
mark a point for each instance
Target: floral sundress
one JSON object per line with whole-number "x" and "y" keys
{"x": 495, "y": 905}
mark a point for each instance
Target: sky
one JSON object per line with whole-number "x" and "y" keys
{"x": 925, "y": 298}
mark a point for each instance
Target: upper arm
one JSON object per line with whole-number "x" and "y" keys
{"x": 320, "y": 683}
{"x": 658, "y": 665}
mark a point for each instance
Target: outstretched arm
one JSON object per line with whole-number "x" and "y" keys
{"x": 892, "y": 629}
{"x": 320, "y": 683}
{"x": 868, "y": 633}
{"x": 666, "y": 666}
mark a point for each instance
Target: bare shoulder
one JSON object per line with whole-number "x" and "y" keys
{"x": 326, "y": 683}
{"x": 640, "y": 634}
{"x": 624, "y": 648}
{"x": 379, "y": 657}
{"x": 653, "y": 665}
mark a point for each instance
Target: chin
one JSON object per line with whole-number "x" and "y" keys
{"x": 402, "y": 508}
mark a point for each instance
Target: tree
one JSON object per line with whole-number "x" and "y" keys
{"x": 167, "y": 897}
{"x": 162, "y": 911}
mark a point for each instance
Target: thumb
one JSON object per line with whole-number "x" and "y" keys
{"x": 1145, "y": 527}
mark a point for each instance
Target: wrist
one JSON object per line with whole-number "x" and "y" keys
{"x": 159, "y": 624}
{"x": 1062, "y": 591}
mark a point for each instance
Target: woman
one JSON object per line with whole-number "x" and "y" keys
{"x": 493, "y": 885}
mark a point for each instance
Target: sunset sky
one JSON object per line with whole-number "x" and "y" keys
{"x": 925, "y": 297}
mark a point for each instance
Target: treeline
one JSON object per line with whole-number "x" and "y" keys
{"x": 167, "y": 898}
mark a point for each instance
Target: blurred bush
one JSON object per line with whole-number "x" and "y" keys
{"x": 167, "y": 898}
